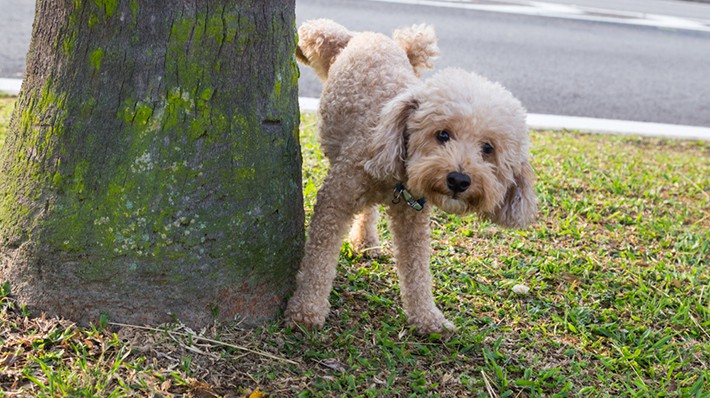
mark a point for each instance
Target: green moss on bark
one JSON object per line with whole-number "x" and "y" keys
{"x": 96, "y": 57}
{"x": 107, "y": 6}
{"x": 148, "y": 177}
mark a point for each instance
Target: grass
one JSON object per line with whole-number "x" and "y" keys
{"x": 7, "y": 104}
{"x": 619, "y": 303}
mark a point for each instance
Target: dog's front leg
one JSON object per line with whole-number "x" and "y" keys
{"x": 410, "y": 230}
{"x": 331, "y": 218}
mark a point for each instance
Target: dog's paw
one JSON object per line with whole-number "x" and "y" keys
{"x": 443, "y": 327}
{"x": 368, "y": 251}
{"x": 305, "y": 321}
{"x": 367, "y": 247}
{"x": 434, "y": 322}
{"x": 298, "y": 314}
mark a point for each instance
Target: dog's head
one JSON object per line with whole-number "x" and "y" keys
{"x": 461, "y": 142}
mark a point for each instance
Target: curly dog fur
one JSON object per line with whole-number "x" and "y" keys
{"x": 456, "y": 139}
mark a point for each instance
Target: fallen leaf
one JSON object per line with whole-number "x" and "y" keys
{"x": 521, "y": 289}
{"x": 257, "y": 394}
{"x": 333, "y": 364}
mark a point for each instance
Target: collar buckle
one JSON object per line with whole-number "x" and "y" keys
{"x": 400, "y": 191}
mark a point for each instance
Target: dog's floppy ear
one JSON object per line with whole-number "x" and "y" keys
{"x": 388, "y": 146}
{"x": 519, "y": 208}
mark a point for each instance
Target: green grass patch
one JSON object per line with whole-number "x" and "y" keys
{"x": 7, "y": 104}
{"x": 619, "y": 303}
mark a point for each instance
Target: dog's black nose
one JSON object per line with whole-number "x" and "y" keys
{"x": 458, "y": 182}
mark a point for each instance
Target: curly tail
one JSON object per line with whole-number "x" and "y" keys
{"x": 419, "y": 42}
{"x": 319, "y": 43}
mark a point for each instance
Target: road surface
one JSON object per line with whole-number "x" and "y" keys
{"x": 612, "y": 59}
{"x": 559, "y": 66}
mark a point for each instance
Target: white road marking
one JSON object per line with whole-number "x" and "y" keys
{"x": 543, "y": 9}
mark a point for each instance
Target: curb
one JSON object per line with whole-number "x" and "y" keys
{"x": 535, "y": 121}
{"x": 623, "y": 127}
{"x": 592, "y": 125}
{"x": 10, "y": 86}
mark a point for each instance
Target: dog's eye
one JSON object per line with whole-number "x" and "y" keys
{"x": 487, "y": 148}
{"x": 442, "y": 136}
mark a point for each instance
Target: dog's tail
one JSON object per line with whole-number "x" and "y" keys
{"x": 321, "y": 40}
{"x": 319, "y": 43}
{"x": 419, "y": 42}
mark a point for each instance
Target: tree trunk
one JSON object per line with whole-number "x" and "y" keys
{"x": 152, "y": 165}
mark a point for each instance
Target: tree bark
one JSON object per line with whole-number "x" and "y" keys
{"x": 152, "y": 166}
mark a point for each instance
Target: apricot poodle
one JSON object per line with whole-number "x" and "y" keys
{"x": 456, "y": 141}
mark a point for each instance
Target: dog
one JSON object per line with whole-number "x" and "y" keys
{"x": 455, "y": 140}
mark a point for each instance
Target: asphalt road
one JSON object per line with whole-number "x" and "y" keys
{"x": 16, "y": 18}
{"x": 555, "y": 66}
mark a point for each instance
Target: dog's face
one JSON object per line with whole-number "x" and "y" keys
{"x": 461, "y": 142}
